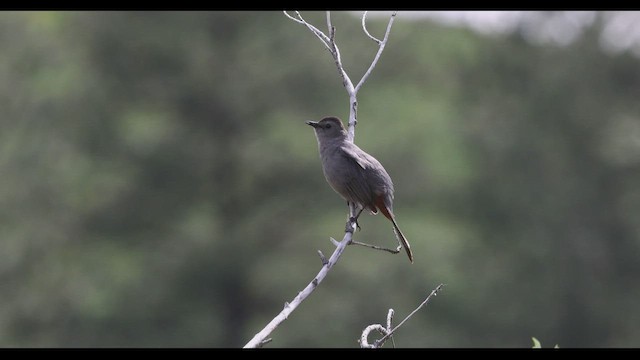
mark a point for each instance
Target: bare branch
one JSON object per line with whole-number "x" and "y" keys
{"x": 329, "y": 26}
{"x": 375, "y": 247}
{"x": 264, "y": 342}
{"x": 292, "y": 18}
{"x": 389, "y": 318}
{"x": 322, "y": 36}
{"x": 433, "y": 293}
{"x": 364, "y": 338}
{"x": 364, "y": 342}
{"x": 330, "y": 43}
{"x": 322, "y": 258}
{"x": 334, "y": 241}
{"x": 260, "y": 337}
{"x": 380, "y": 49}
{"x": 364, "y": 27}
{"x": 390, "y": 322}
{"x": 346, "y": 81}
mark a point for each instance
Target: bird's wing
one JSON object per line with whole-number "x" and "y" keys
{"x": 362, "y": 181}
{"x": 379, "y": 180}
{"x": 363, "y": 159}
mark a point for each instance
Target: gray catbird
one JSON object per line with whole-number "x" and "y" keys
{"x": 357, "y": 176}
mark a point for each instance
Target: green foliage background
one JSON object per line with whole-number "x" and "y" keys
{"x": 159, "y": 187}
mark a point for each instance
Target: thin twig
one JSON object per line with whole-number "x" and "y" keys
{"x": 335, "y": 51}
{"x": 434, "y": 292}
{"x": 390, "y": 326}
{"x": 380, "y": 49}
{"x": 292, "y": 18}
{"x": 329, "y": 26}
{"x": 376, "y": 247}
{"x": 322, "y": 36}
{"x": 264, "y": 342}
{"x": 322, "y": 258}
{"x": 364, "y": 27}
{"x": 334, "y": 241}
{"x": 329, "y": 43}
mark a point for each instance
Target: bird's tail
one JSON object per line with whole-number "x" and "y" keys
{"x": 402, "y": 239}
{"x": 399, "y": 235}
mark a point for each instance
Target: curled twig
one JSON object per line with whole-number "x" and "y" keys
{"x": 364, "y": 28}
{"x": 388, "y": 331}
{"x": 364, "y": 342}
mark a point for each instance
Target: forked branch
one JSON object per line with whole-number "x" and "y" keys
{"x": 329, "y": 42}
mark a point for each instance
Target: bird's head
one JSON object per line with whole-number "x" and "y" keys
{"x": 328, "y": 128}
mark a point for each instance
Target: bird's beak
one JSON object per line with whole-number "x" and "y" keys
{"x": 312, "y": 123}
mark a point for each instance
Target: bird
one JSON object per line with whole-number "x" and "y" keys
{"x": 354, "y": 174}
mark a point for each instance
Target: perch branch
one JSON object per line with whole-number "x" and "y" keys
{"x": 260, "y": 337}
{"x": 329, "y": 42}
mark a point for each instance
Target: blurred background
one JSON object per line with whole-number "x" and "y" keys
{"x": 159, "y": 188}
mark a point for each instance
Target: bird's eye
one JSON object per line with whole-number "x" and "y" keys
{"x": 328, "y": 126}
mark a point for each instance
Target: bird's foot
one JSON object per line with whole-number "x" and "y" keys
{"x": 349, "y": 226}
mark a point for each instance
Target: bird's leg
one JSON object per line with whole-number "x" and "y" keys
{"x": 356, "y": 219}
{"x": 347, "y": 226}
{"x": 353, "y": 219}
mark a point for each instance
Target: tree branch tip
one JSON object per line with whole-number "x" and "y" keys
{"x": 364, "y": 28}
{"x": 265, "y": 341}
{"x": 300, "y": 21}
{"x": 334, "y": 241}
{"x": 323, "y": 258}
